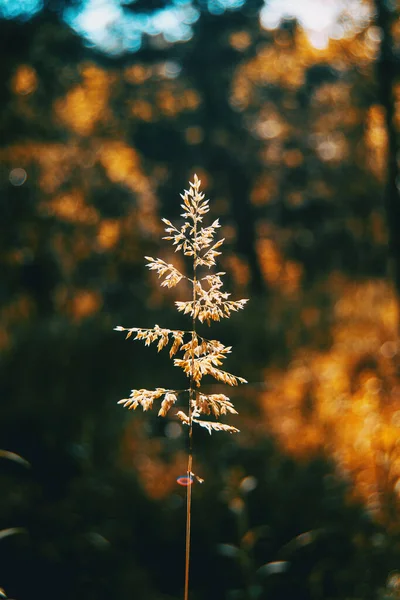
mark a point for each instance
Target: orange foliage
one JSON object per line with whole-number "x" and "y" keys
{"x": 122, "y": 164}
{"x": 170, "y": 102}
{"x": 156, "y": 97}
{"x": 60, "y": 163}
{"x": 25, "y": 80}
{"x": 285, "y": 62}
{"x": 84, "y": 303}
{"x": 239, "y": 270}
{"x": 87, "y": 104}
{"x": 240, "y": 40}
{"x": 120, "y": 161}
{"x": 264, "y": 190}
{"x": 141, "y": 109}
{"x": 156, "y": 474}
{"x": 109, "y": 233}
{"x": 56, "y": 162}
{"x": 345, "y": 401}
{"x": 279, "y": 273}
{"x": 376, "y": 140}
{"x": 137, "y": 74}
{"x": 71, "y": 207}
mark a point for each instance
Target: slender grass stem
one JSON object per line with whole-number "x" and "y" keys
{"x": 188, "y": 522}
{"x": 192, "y": 397}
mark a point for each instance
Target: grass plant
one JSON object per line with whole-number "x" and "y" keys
{"x": 196, "y": 355}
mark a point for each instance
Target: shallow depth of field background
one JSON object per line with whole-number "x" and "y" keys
{"x": 289, "y": 112}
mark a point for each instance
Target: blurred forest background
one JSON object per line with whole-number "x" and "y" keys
{"x": 291, "y": 120}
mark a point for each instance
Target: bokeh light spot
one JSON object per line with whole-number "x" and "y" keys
{"x": 18, "y": 176}
{"x": 25, "y": 80}
{"x": 173, "y": 430}
{"x": 248, "y": 484}
{"x": 275, "y": 567}
{"x": 194, "y": 135}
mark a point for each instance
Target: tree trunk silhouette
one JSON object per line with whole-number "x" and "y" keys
{"x": 228, "y": 150}
{"x": 386, "y": 67}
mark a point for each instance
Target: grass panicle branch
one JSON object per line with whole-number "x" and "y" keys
{"x": 197, "y": 356}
